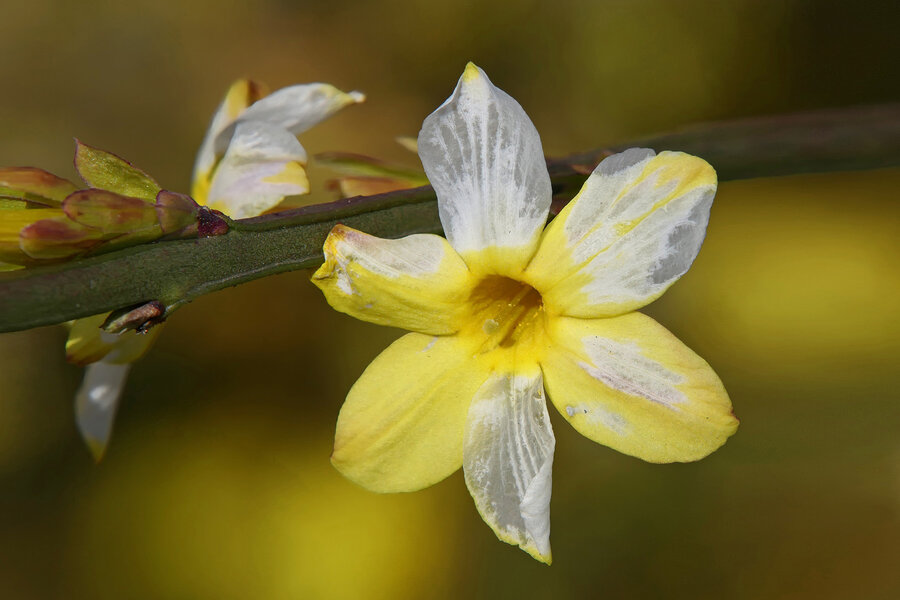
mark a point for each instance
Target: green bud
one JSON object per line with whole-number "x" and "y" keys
{"x": 106, "y": 171}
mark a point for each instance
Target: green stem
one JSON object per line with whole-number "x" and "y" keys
{"x": 177, "y": 271}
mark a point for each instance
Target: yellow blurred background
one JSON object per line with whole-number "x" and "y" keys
{"x": 217, "y": 482}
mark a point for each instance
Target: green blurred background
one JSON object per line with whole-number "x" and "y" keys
{"x": 217, "y": 483}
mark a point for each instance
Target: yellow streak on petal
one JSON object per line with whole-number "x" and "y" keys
{"x": 200, "y": 188}
{"x": 563, "y": 278}
{"x": 293, "y": 173}
{"x": 12, "y": 221}
{"x": 341, "y": 98}
{"x": 529, "y": 547}
{"x": 471, "y": 73}
{"x": 236, "y": 99}
{"x": 96, "y": 447}
{"x": 355, "y": 97}
{"x": 240, "y": 95}
{"x": 688, "y": 172}
{"x": 409, "y": 143}
{"x": 87, "y": 343}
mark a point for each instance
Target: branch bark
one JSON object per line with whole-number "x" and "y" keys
{"x": 178, "y": 271}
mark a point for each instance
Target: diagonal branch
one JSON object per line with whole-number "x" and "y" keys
{"x": 178, "y": 271}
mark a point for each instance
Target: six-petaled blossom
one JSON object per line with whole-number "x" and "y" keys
{"x": 505, "y": 311}
{"x": 250, "y": 160}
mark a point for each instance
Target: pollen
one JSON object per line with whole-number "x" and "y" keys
{"x": 506, "y": 313}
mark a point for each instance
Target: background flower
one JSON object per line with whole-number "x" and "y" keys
{"x": 249, "y": 161}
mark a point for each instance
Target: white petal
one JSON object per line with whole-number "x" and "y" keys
{"x": 96, "y": 402}
{"x": 295, "y": 108}
{"x": 239, "y": 96}
{"x": 508, "y": 458}
{"x": 483, "y": 156}
{"x": 632, "y": 231}
{"x": 263, "y": 164}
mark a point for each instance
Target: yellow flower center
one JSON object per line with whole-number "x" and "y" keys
{"x": 507, "y": 316}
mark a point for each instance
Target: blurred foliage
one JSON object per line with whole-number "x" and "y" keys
{"x": 217, "y": 483}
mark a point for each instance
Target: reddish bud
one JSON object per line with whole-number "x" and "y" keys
{"x": 211, "y": 222}
{"x": 109, "y": 212}
{"x": 57, "y": 238}
{"x": 175, "y": 211}
{"x": 34, "y": 185}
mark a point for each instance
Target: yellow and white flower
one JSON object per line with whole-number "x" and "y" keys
{"x": 249, "y": 161}
{"x": 250, "y": 158}
{"x": 505, "y": 311}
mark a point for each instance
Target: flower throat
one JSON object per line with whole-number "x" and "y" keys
{"x": 506, "y": 310}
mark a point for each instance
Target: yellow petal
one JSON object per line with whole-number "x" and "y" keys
{"x": 409, "y": 143}
{"x": 627, "y": 383}
{"x": 401, "y": 428}
{"x": 417, "y": 283}
{"x": 87, "y": 343}
{"x": 12, "y": 222}
{"x": 632, "y": 231}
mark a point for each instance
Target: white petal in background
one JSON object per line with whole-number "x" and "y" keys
{"x": 295, "y": 108}
{"x": 632, "y": 231}
{"x": 484, "y": 158}
{"x": 508, "y": 459}
{"x": 96, "y": 402}
{"x": 263, "y": 164}
{"x": 240, "y": 95}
